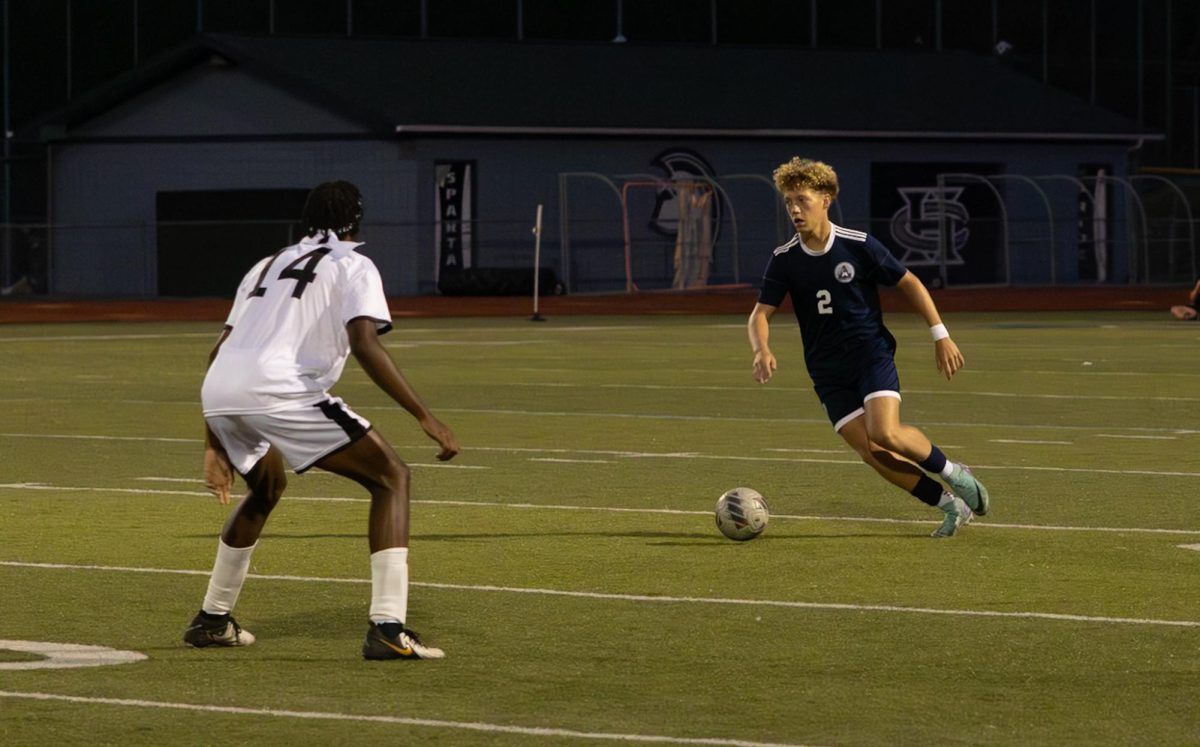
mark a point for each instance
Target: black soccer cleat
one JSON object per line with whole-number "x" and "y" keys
{"x": 394, "y": 641}
{"x": 215, "y": 630}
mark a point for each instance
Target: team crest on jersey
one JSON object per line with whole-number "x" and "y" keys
{"x": 844, "y": 272}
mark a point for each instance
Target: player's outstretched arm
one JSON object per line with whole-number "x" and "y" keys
{"x": 946, "y": 353}
{"x": 759, "y": 329}
{"x": 375, "y": 360}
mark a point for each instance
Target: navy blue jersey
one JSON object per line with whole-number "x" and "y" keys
{"x": 835, "y": 294}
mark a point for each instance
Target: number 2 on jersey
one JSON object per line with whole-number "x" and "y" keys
{"x": 302, "y": 276}
{"x": 824, "y": 302}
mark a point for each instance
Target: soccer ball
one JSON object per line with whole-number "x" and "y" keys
{"x": 742, "y": 514}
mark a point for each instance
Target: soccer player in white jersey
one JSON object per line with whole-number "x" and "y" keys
{"x": 297, "y": 316}
{"x": 832, "y": 274}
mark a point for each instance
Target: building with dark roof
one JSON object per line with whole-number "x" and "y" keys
{"x": 172, "y": 179}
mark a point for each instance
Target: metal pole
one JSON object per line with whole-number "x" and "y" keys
{"x": 812, "y": 17}
{"x": 349, "y": 17}
{"x": 199, "y": 16}
{"x": 1167, "y": 114}
{"x": 995, "y": 23}
{"x": 68, "y": 50}
{"x": 1045, "y": 42}
{"x": 1092, "y": 40}
{"x": 712, "y": 18}
{"x": 520, "y": 20}
{"x": 135, "y": 33}
{"x": 6, "y": 275}
{"x": 937, "y": 25}
{"x": 424, "y": 19}
{"x": 1141, "y": 54}
{"x": 271, "y": 17}
{"x": 537, "y": 264}
{"x": 879, "y": 24}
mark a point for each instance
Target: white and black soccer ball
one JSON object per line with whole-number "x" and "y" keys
{"x": 742, "y": 514}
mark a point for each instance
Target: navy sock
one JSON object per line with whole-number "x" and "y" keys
{"x": 935, "y": 462}
{"x": 927, "y": 491}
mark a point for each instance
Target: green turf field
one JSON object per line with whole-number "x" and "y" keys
{"x": 568, "y": 562}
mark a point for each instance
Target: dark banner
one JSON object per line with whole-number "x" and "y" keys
{"x": 910, "y": 212}
{"x": 455, "y": 205}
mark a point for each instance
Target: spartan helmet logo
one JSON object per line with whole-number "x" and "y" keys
{"x": 680, "y": 163}
{"x": 844, "y": 272}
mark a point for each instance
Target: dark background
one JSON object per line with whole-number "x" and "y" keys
{"x": 1136, "y": 57}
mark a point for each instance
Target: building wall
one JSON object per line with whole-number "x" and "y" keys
{"x": 105, "y": 183}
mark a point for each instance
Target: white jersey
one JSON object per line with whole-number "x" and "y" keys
{"x": 288, "y": 342}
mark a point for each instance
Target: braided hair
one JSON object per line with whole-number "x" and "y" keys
{"x": 333, "y": 207}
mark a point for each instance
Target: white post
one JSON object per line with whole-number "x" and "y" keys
{"x": 537, "y": 264}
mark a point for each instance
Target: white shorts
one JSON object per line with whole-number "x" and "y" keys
{"x": 303, "y": 436}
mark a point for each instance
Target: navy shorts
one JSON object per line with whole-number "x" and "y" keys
{"x": 844, "y": 392}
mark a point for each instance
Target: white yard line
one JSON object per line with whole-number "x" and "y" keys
{"x": 934, "y": 392}
{"x": 558, "y": 460}
{"x": 646, "y": 598}
{"x": 475, "y": 726}
{"x": 1025, "y": 441}
{"x": 22, "y": 486}
{"x": 1147, "y": 438}
{"x": 104, "y": 338}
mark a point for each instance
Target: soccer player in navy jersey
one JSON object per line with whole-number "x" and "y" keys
{"x": 832, "y": 274}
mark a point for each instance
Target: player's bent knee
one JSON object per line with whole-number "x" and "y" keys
{"x": 888, "y": 438}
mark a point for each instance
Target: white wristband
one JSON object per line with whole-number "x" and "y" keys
{"x": 939, "y": 332}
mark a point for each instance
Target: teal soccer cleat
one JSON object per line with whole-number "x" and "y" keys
{"x": 958, "y": 514}
{"x": 963, "y": 483}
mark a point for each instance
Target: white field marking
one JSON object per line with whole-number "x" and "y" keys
{"x": 461, "y": 343}
{"x": 622, "y": 415}
{"x": 798, "y": 421}
{"x": 1149, "y": 438}
{"x": 1074, "y": 373}
{"x": 750, "y": 386}
{"x": 808, "y": 451}
{"x": 102, "y": 338}
{"x": 674, "y": 455}
{"x": 651, "y": 598}
{"x": 476, "y": 726}
{"x": 557, "y": 460}
{"x": 66, "y": 655}
{"x": 1190, "y": 547}
{"x": 606, "y": 509}
{"x": 1024, "y": 441}
{"x": 83, "y": 437}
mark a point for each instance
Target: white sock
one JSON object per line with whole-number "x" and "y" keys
{"x": 389, "y": 585}
{"x": 946, "y": 499}
{"x": 948, "y": 469}
{"x": 229, "y": 571}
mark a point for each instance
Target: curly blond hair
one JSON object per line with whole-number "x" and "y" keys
{"x": 803, "y": 173}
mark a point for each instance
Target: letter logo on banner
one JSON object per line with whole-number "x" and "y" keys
{"x": 912, "y": 212}
{"x": 454, "y": 222}
{"x": 916, "y": 225}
